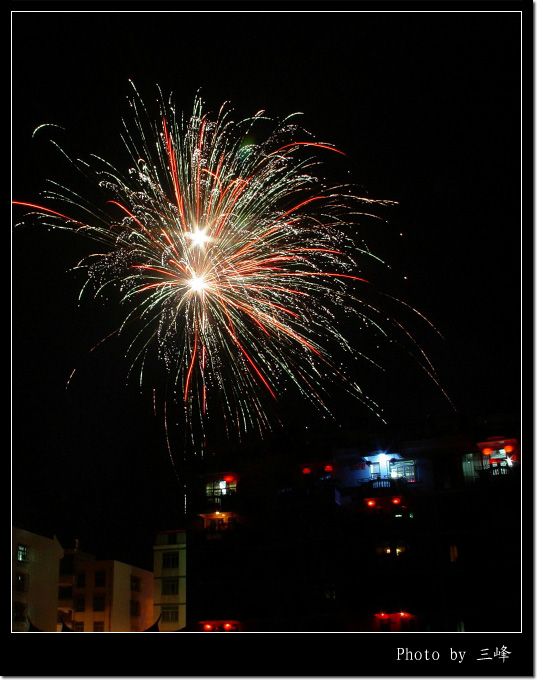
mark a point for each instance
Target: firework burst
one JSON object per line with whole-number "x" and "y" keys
{"x": 233, "y": 260}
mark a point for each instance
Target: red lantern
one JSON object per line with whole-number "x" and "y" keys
{"x": 396, "y": 501}
{"x": 371, "y": 503}
{"x": 487, "y": 451}
{"x": 306, "y": 471}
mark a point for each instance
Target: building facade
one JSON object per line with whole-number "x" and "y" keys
{"x": 103, "y": 595}
{"x": 35, "y": 569}
{"x": 392, "y": 538}
{"x": 169, "y": 570}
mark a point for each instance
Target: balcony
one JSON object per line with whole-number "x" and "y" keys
{"x": 387, "y": 484}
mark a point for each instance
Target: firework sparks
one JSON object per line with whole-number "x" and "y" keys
{"x": 231, "y": 257}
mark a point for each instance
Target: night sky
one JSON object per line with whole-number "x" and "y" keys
{"x": 426, "y": 107}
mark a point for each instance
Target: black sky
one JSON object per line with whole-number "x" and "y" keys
{"x": 426, "y": 105}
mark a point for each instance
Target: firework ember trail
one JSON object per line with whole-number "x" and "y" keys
{"x": 233, "y": 260}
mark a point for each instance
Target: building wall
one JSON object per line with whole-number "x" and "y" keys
{"x": 108, "y": 603}
{"x": 169, "y": 605}
{"x": 35, "y": 580}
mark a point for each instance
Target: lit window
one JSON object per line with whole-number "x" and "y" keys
{"x": 403, "y": 469}
{"x": 453, "y": 553}
{"x": 393, "y": 550}
{"x": 22, "y": 553}
{"x": 221, "y": 487}
{"x": 375, "y": 470}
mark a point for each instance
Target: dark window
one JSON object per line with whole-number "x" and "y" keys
{"x": 172, "y": 539}
{"x": 170, "y": 560}
{"x": 65, "y": 592}
{"x": 98, "y": 603}
{"x": 98, "y": 626}
{"x": 135, "y": 584}
{"x": 19, "y": 611}
{"x": 170, "y": 614}
{"x": 21, "y": 582}
{"x": 135, "y": 608}
{"x": 79, "y": 604}
{"x": 78, "y": 626}
{"x": 100, "y": 578}
{"x": 408, "y": 625}
{"x": 67, "y": 564}
{"x": 81, "y": 579}
{"x": 170, "y": 586}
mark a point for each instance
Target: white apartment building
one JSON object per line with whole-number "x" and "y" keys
{"x": 169, "y": 570}
{"x": 35, "y": 569}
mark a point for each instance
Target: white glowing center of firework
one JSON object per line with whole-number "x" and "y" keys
{"x": 197, "y": 284}
{"x": 198, "y": 237}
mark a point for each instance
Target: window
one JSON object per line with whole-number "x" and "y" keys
{"x": 81, "y": 579}
{"x": 172, "y": 539}
{"x": 78, "y": 626}
{"x": 170, "y": 560}
{"x": 403, "y": 469}
{"x": 214, "y": 490}
{"x": 408, "y": 625}
{"x": 98, "y": 603}
{"x": 98, "y": 626}
{"x": 100, "y": 578}
{"x": 65, "y": 592}
{"x": 396, "y": 549}
{"x": 375, "y": 470}
{"x": 21, "y": 582}
{"x": 169, "y": 614}
{"x": 79, "y": 604}
{"x": 453, "y": 553}
{"x": 135, "y": 583}
{"x": 19, "y": 611}
{"x": 170, "y": 586}
{"x": 384, "y": 625}
{"x": 135, "y": 608}
{"x": 22, "y": 553}
{"x": 329, "y": 592}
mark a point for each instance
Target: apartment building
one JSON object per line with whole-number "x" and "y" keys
{"x": 103, "y": 595}
{"x": 169, "y": 560}
{"x": 35, "y": 569}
